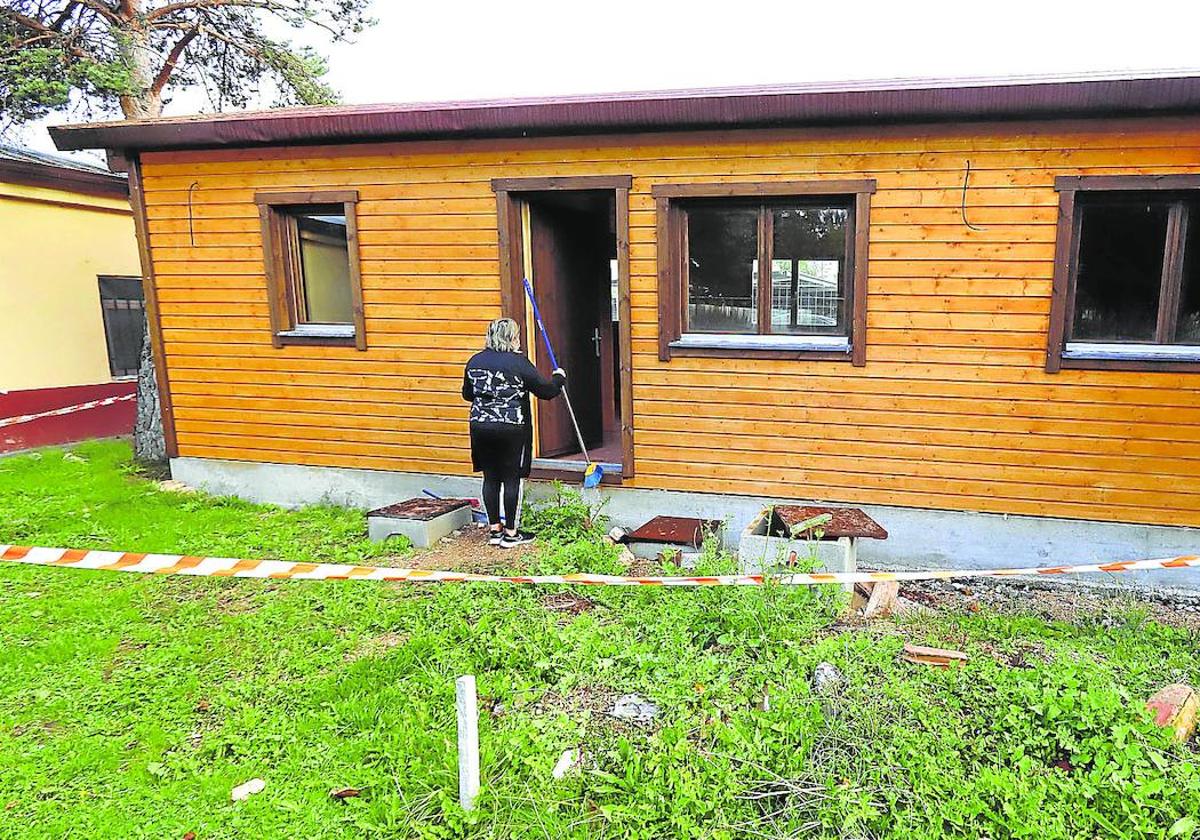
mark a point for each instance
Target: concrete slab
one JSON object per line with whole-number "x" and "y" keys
{"x": 758, "y": 551}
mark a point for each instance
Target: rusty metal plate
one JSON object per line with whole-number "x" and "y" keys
{"x": 676, "y": 530}
{"x": 420, "y": 509}
{"x": 846, "y": 522}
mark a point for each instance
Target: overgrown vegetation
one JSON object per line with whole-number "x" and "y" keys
{"x": 129, "y": 707}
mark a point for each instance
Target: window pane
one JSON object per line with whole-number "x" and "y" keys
{"x": 1188, "y": 329}
{"x": 124, "y": 323}
{"x": 1121, "y": 247}
{"x": 807, "y": 277}
{"x": 722, "y": 245}
{"x": 325, "y": 266}
{"x": 614, "y": 274}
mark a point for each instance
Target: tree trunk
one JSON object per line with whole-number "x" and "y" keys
{"x": 149, "y": 442}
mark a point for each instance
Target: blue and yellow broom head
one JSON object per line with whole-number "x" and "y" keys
{"x": 593, "y": 475}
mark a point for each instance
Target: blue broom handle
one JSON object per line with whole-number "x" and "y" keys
{"x": 537, "y": 316}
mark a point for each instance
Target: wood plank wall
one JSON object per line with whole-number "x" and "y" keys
{"x": 953, "y": 409}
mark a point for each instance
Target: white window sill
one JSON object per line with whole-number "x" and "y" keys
{"x": 1131, "y": 352}
{"x": 795, "y": 343}
{"x": 319, "y": 331}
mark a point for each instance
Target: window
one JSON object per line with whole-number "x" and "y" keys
{"x": 769, "y": 270}
{"x": 121, "y": 304}
{"x": 310, "y": 247}
{"x": 1127, "y": 273}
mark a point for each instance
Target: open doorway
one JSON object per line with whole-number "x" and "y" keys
{"x": 571, "y": 253}
{"x": 571, "y": 243}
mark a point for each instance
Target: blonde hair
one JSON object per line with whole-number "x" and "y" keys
{"x": 503, "y": 334}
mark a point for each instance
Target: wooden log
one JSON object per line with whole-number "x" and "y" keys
{"x": 937, "y": 657}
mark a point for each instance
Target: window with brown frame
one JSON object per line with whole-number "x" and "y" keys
{"x": 310, "y": 249}
{"x": 763, "y": 269}
{"x": 1127, "y": 274}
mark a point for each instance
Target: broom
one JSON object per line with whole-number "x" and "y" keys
{"x": 592, "y": 473}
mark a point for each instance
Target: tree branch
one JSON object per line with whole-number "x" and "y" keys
{"x": 279, "y": 8}
{"x": 27, "y": 22}
{"x": 160, "y": 81}
{"x": 63, "y": 16}
{"x": 102, "y": 9}
{"x": 190, "y": 5}
{"x": 42, "y": 32}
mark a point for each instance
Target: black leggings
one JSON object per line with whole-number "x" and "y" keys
{"x": 510, "y": 480}
{"x": 498, "y": 451}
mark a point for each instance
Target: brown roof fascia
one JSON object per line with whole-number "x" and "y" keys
{"x": 903, "y": 101}
{"x": 63, "y": 178}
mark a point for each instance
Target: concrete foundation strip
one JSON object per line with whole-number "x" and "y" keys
{"x": 69, "y": 409}
{"x": 174, "y": 564}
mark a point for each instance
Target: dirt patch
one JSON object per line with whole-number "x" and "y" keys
{"x": 126, "y": 651}
{"x": 207, "y": 720}
{"x": 589, "y": 705}
{"x": 148, "y": 472}
{"x": 568, "y": 603}
{"x": 374, "y": 646}
{"x": 466, "y": 550}
{"x": 587, "y": 699}
{"x": 1021, "y": 655}
{"x": 642, "y": 567}
{"x": 45, "y": 727}
{"x": 235, "y": 598}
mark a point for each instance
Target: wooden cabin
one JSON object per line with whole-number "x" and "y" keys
{"x": 971, "y": 296}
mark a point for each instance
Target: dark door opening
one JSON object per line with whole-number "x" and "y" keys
{"x": 572, "y": 257}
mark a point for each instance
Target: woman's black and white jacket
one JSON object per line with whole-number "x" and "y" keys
{"x": 498, "y": 385}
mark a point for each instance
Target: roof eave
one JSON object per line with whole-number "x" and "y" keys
{"x": 64, "y": 178}
{"x": 650, "y": 112}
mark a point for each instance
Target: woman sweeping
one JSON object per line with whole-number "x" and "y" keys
{"x": 497, "y": 382}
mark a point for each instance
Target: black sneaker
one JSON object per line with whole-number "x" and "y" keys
{"x": 514, "y": 540}
{"x": 495, "y": 537}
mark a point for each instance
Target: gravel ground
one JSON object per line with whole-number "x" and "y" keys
{"x": 1055, "y": 601}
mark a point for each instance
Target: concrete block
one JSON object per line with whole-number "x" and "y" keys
{"x": 758, "y": 551}
{"x": 423, "y": 524}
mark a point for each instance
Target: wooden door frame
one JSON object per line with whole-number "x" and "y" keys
{"x": 509, "y": 198}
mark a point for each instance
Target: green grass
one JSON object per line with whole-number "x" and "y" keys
{"x": 130, "y": 706}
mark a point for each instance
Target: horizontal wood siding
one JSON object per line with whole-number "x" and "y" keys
{"x": 952, "y": 410}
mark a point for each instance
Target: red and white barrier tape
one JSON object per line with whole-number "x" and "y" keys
{"x": 174, "y": 564}
{"x": 69, "y": 409}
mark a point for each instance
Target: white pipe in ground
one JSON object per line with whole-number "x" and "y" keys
{"x": 468, "y": 741}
